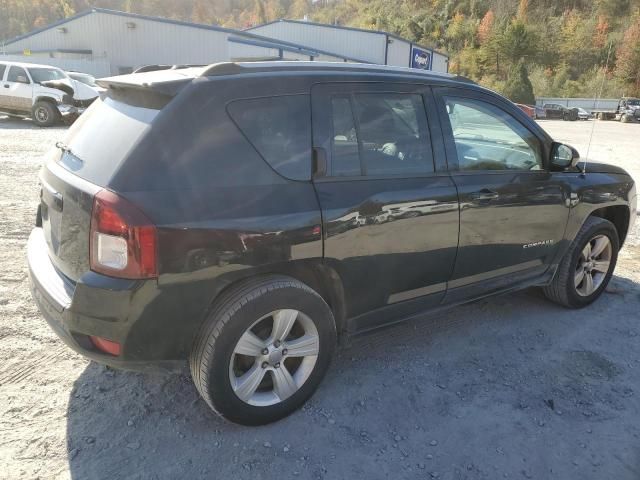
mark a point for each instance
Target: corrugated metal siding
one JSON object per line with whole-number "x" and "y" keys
{"x": 361, "y": 45}
{"x": 149, "y": 42}
{"x": 240, "y": 51}
{"x": 97, "y": 68}
{"x": 328, "y": 58}
{"x": 439, "y": 63}
{"x": 586, "y": 103}
{"x": 294, "y": 56}
{"x": 398, "y": 53}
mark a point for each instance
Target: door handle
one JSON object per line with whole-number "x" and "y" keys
{"x": 6, "y": 86}
{"x": 484, "y": 195}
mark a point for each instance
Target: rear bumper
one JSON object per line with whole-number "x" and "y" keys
{"x": 114, "y": 309}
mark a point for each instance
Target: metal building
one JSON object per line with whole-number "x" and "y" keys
{"x": 373, "y": 46}
{"x": 107, "y": 42}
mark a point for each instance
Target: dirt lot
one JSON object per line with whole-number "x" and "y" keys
{"x": 511, "y": 387}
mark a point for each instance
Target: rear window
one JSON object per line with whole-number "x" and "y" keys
{"x": 102, "y": 138}
{"x": 279, "y": 128}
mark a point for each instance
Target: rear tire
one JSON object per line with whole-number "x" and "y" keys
{"x": 571, "y": 286}
{"x": 44, "y": 114}
{"x": 242, "y": 339}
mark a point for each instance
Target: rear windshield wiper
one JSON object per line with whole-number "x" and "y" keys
{"x": 66, "y": 149}
{"x": 63, "y": 147}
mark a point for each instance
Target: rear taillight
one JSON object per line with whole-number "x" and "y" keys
{"x": 106, "y": 346}
{"x": 123, "y": 240}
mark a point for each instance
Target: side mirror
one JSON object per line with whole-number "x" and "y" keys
{"x": 22, "y": 79}
{"x": 564, "y": 156}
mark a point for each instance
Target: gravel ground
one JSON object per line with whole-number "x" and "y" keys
{"x": 510, "y": 387}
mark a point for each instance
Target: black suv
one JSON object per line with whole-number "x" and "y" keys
{"x": 244, "y": 216}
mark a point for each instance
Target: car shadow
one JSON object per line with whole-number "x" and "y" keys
{"x": 133, "y": 425}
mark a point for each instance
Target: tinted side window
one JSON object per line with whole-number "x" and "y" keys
{"x": 2, "y": 69}
{"x": 15, "y": 72}
{"x": 380, "y": 134}
{"x": 345, "y": 150}
{"x": 487, "y": 138}
{"x": 279, "y": 128}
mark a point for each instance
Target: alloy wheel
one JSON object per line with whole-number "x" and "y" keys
{"x": 593, "y": 265}
{"x": 274, "y": 358}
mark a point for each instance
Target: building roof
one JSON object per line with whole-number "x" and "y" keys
{"x": 342, "y": 27}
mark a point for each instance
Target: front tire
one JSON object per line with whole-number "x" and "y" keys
{"x": 263, "y": 350}
{"x": 44, "y": 114}
{"x": 587, "y": 266}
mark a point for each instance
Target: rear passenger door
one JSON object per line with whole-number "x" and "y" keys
{"x": 390, "y": 210}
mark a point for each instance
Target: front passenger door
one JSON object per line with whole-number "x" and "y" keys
{"x": 513, "y": 210}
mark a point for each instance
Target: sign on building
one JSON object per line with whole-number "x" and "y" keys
{"x": 420, "y": 58}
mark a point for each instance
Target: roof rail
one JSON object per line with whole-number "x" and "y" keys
{"x": 234, "y": 68}
{"x": 155, "y": 68}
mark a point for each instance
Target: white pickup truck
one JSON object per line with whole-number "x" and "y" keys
{"x": 43, "y": 93}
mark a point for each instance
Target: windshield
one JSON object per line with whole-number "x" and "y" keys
{"x": 84, "y": 78}
{"x": 634, "y": 101}
{"x": 39, "y": 75}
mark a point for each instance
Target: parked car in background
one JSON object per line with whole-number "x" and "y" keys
{"x": 583, "y": 114}
{"x": 39, "y": 92}
{"x": 43, "y": 93}
{"x": 217, "y": 215}
{"x": 557, "y": 111}
{"x": 540, "y": 113}
{"x": 529, "y": 110}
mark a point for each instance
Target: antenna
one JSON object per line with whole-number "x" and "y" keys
{"x": 595, "y": 107}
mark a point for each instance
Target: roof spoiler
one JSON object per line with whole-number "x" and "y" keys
{"x": 166, "y": 82}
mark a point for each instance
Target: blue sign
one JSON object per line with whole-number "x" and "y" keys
{"x": 420, "y": 58}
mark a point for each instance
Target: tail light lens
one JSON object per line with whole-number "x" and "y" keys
{"x": 123, "y": 240}
{"x": 106, "y": 346}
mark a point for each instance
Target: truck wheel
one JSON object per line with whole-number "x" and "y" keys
{"x": 263, "y": 350}
{"x": 587, "y": 266}
{"x": 624, "y": 118}
{"x": 44, "y": 114}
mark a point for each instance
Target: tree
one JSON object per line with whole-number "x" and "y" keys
{"x": 517, "y": 41}
{"x": 518, "y": 87}
{"x": 485, "y": 29}
{"x": 628, "y": 57}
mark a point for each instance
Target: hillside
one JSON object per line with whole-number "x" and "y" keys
{"x": 560, "y": 47}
